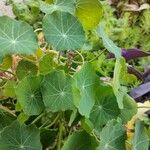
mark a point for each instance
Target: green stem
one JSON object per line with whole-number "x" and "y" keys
{"x": 81, "y": 57}
{"x": 38, "y": 118}
{"x": 143, "y": 107}
{"x": 54, "y": 121}
{"x": 60, "y": 136}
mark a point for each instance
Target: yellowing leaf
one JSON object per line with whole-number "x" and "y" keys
{"x": 89, "y": 13}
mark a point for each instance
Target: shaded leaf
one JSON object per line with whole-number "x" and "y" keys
{"x": 63, "y": 31}
{"x": 47, "y": 63}
{"x": 79, "y": 141}
{"x": 112, "y": 137}
{"x": 89, "y": 13}
{"x": 141, "y": 139}
{"x": 57, "y": 91}
{"x": 5, "y": 120}
{"x": 25, "y": 68}
{"x": 16, "y": 37}
{"x": 85, "y": 85}
{"x": 18, "y": 137}
{"x": 29, "y": 95}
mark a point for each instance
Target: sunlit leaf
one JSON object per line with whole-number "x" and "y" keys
{"x": 17, "y": 137}
{"x": 84, "y": 89}
{"x": 60, "y": 5}
{"x": 63, "y": 31}
{"x": 16, "y": 37}
{"x": 29, "y": 95}
{"x": 89, "y": 13}
{"x": 108, "y": 43}
{"x": 57, "y": 91}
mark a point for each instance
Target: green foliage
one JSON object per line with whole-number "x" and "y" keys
{"x": 62, "y": 34}
{"x": 58, "y": 88}
{"x": 17, "y": 136}
{"x": 140, "y": 140}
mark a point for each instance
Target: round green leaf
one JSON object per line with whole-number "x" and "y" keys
{"x": 89, "y": 12}
{"x": 16, "y": 37}
{"x": 105, "y": 108}
{"x": 63, "y": 31}
{"x": 20, "y": 137}
{"x": 29, "y": 95}
{"x": 80, "y": 141}
{"x": 57, "y": 91}
{"x": 112, "y": 137}
{"x": 84, "y": 89}
{"x": 26, "y": 68}
{"x": 47, "y": 63}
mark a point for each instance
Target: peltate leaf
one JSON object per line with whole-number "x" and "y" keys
{"x": 84, "y": 89}
{"x": 79, "y": 141}
{"x": 20, "y": 137}
{"x": 63, "y": 31}
{"x": 105, "y": 108}
{"x": 60, "y": 5}
{"x": 57, "y": 91}
{"x": 26, "y": 68}
{"x": 112, "y": 137}
{"x": 29, "y": 95}
{"x": 16, "y": 37}
{"x": 89, "y": 13}
{"x": 141, "y": 139}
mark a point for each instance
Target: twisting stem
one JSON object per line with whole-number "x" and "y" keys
{"x": 81, "y": 57}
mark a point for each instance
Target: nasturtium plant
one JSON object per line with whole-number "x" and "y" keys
{"x": 63, "y": 31}
{"x": 29, "y": 95}
{"x": 89, "y": 13}
{"x": 19, "y": 136}
{"x": 57, "y": 91}
{"x": 25, "y": 68}
{"x": 16, "y": 37}
{"x": 67, "y": 83}
{"x": 61, "y": 5}
{"x": 85, "y": 86}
